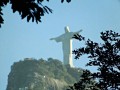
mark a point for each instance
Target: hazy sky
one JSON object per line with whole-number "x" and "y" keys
{"x": 19, "y": 39}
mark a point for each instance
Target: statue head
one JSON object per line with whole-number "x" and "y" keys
{"x": 67, "y": 29}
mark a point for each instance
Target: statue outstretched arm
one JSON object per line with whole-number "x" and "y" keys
{"x": 56, "y": 39}
{"x": 75, "y": 33}
{"x": 52, "y": 38}
{"x": 78, "y": 31}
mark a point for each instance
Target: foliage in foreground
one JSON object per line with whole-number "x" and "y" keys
{"x": 30, "y": 9}
{"x": 85, "y": 83}
{"x": 106, "y": 57}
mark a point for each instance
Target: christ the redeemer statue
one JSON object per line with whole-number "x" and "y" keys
{"x": 66, "y": 40}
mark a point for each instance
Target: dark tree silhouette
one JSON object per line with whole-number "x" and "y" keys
{"x": 106, "y": 57}
{"x": 30, "y": 9}
{"x": 85, "y": 83}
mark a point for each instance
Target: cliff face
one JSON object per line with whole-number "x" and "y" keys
{"x": 32, "y": 74}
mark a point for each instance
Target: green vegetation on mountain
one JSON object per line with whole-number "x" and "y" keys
{"x": 51, "y": 74}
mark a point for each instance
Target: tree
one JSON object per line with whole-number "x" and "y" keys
{"x": 106, "y": 57}
{"x": 85, "y": 83}
{"x": 30, "y": 9}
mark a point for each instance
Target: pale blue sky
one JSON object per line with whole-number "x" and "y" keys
{"x": 19, "y": 39}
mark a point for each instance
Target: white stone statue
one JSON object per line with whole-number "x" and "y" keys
{"x": 66, "y": 40}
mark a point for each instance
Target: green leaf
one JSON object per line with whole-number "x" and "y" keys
{"x": 62, "y": 1}
{"x": 50, "y": 10}
{"x": 28, "y": 18}
{"x": 68, "y": 1}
